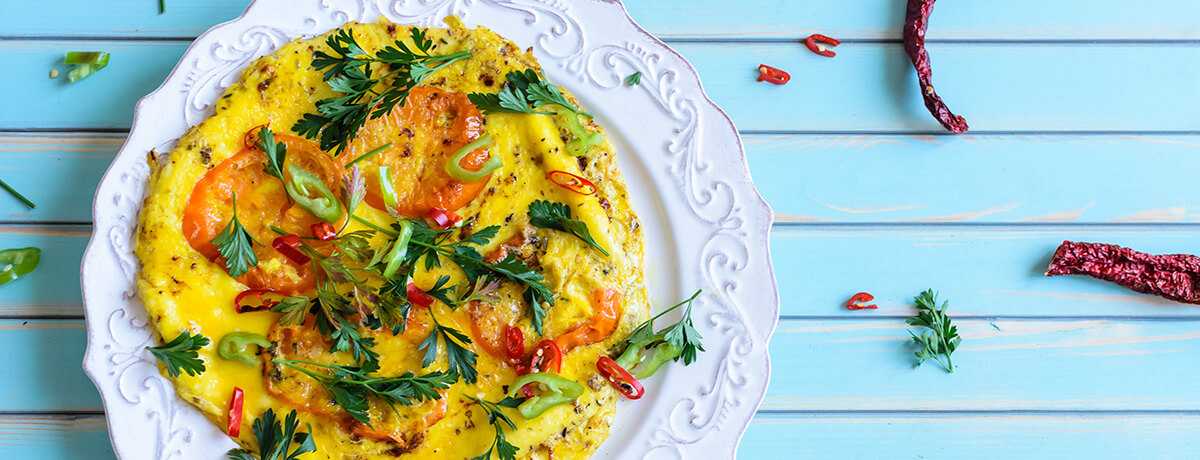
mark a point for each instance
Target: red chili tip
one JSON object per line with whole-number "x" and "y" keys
{"x": 773, "y": 75}
{"x": 820, "y": 44}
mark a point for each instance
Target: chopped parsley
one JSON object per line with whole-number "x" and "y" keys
{"x": 941, "y": 339}
{"x": 275, "y": 439}
{"x": 182, "y": 354}
{"x": 633, "y": 79}
{"x": 557, "y": 216}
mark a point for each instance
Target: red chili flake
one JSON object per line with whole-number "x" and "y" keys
{"x": 857, "y": 300}
{"x": 820, "y": 44}
{"x": 1172, "y": 276}
{"x": 773, "y": 75}
{"x": 324, "y": 231}
{"x": 916, "y": 22}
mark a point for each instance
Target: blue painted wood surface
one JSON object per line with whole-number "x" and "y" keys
{"x": 1086, "y": 119}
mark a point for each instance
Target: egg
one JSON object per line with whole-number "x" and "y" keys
{"x": 185, "y": 285}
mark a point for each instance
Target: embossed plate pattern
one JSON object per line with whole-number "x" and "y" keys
{"x": 706, "y": 225}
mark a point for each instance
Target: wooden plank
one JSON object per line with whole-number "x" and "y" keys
{"x": 52, "y": 437}
{"x": 995, "y": 179}
{"x": 694, "y": 19}
{"x": 51, "y": 290}
{"x": 821, "y": 365}
{"x": 870, "y": 87}
{"x": 974, "y": 436}
{"x": 985, "y": 271}
{"x": 893, "y": 436}
{"x": 1010, "y": 365}
{"x": 59, "y": 172}
{"x": 44, "y": 367}
{"x": 995, "y": 271}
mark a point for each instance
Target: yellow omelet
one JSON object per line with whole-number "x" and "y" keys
{"x": 555, "y": 156}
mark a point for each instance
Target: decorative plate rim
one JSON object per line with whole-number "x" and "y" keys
{"x": 122, "y": 173}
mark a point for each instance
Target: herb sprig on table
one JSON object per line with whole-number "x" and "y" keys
{"x": 182, "y": 354}
{"x": 275, "y": 439}
{"x": 941, "y": 338}
{"x": 369, "y": 85}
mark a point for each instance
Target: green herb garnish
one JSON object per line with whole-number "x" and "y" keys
{"x": 84, "y": 63}
{"x": 557, "y": 216}
{"x": 942, "y": 337}
{"x": 369, "y": 86}
{"x": 459, "y": 359}
{"x": 682, "y": 338}
{"x": 500, "y": 446}
{"x": 182, "y": 353}
{"x": 524, "y": 92}
{"x": 633, "y": 79}
{"x": 276, "y": 152}
{"x": 235, "y": 245}
{"x": 352, "y": 386}
{"x": 12, "y": 191}
{"x": 275, "y": 439}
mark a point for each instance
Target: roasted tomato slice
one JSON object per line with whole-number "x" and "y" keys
{"x": 606, "y": 310}
{"x": 424, "y": 133}
{"x": 262, "y": 202}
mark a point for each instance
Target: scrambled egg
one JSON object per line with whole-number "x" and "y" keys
{"x": 187, "y": 288}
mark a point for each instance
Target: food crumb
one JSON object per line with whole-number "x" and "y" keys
{"x": 53, "y": 73}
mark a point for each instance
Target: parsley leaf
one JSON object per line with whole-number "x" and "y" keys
{"x": 496, "y": 417}
{"x": 276, "y": 152}
{"x": 633, "y": 79}
{"x": 182, "y": 353}
{"x": 459, "y": 359}
{"x": 352, "y": 386}
{"x": 363, "y": 93}
{"x": 235, "y": 246}
{"x": 557, "y": 216}
{"x": 293, "y": 309}
{"x": 523, "y": 92}
{"x": 942, "y": 337}
{"x": 684, "y": 336}
{"x": 275, "y": 439}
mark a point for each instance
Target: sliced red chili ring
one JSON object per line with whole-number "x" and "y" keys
{"x": 234, "y": 426}
{"x": 857, "y": 300}
{"x": 418, "y": 297}
{"x": 546, "y": 357}
{"x": 289, "y": 246}
{"x": 820, "y": 44}
{"x": 619, "y": 378}
{"x": 250, "y": 139}
{"x": 773, "y": 75}
{"x": 256, "y": 300}
{"x": 514, "y": 344}
{"x": 324, "y": 231}
{"x": 443, "y": 218}
{"x": 571, "y": 182}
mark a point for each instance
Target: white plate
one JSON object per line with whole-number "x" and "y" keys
{"x": 705, "y": 224}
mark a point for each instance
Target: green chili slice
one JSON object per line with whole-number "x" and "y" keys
{"x": 584, "y": 139}
{"x": 454, "y": 166}
{"x": 663, "y": 353}
{"x": 311, "y": 193}
{"x": 556, "y": 390}
{"x": 390, "y": 199}
{"x": 395, "y": 257}
{"x": 238, "y": 346}
{"x": 85, "y": 63}
{"x": 15, "y": 263}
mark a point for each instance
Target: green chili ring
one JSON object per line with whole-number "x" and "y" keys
{"x": 395, "y": 257}
{"x": 556, "y": 390}
{"x": 454, "y": 166}
{"x": 303, "y": 185}
{"x": 237, "y": 346}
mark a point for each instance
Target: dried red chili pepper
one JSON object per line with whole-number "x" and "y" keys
{"x": 324, "y": 231}
{"x": 772, "y": 75}
{"x": 857, "y": 300}
{"x": 571, "y": 182}
{"x": 916, "y": 21}
{"x": 514, "y": 344}
{"x": 289, "y": 246}
{"x": 1173, "y": 276}
{"x": 820, "y": 44}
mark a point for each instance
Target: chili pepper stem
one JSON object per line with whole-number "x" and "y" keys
{"x": 17, "y": 195}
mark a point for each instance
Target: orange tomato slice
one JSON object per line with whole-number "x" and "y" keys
{"x": 424, "y": 133}
{"x": 606, "y": 305}
{"x": 262, "y": 202}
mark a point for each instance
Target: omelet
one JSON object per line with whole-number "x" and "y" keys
{"x": 403, "y": 164}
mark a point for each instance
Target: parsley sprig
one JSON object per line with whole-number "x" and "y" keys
{"x": 524, "y": 92}
{"x": 941, "y": 339}
{"x": 682, "y": 335}
{"x": 275, "y": 439}
{"x": 276, "y": 152}
{"x": 460, "y": 360}
{"x": 557, "y": 216}
{"x": 332, "y": 313}
{"x": 182, "y": 354}
{"x": 351, "y": 387}
{"x": 496, "y": 417}
{"x": 235, "y": 246}
{"x": 368, "y": 86}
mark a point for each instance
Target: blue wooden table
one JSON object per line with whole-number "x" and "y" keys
{"x": 1086, "y": 126}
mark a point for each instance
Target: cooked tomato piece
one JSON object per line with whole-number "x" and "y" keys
{"x": 606, "y": 309}
{"x": 262, "y": 202}
{"x": 430, "y": 127}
